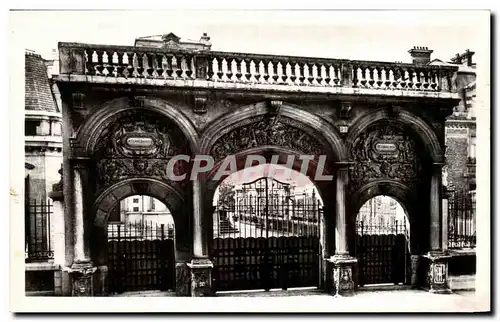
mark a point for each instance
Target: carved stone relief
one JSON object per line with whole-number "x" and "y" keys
{"x": 138, "y": 145}
{"x": 267, "y": 131}
{"x": 384, "y": 151}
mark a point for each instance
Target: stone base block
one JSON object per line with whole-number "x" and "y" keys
{"x": 182, "y": 279}
{"x": 82, "y": 279}
{"x": 342, "y": 268}
{"x": 201, "y": 277}
{"x": 437, "y": 273}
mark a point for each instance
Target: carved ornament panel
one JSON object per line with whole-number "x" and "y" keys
{"x": 384, "y": 151}
{"x": 267, "y": 131}
{"x": 138, "y": 145}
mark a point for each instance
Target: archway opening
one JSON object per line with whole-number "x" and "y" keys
{"x": 267, "y": 230}
{"x": 141, "y": 246}
{"x": 382, "y": 242}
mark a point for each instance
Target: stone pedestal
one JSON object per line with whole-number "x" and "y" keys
{"x": 201, "y": 277}
{"x": 182, "y": 279}
{"x": 342, "y": 269}
{"x": 414, "y": 270}
{"x": 437, "y": 273}
{"x": 82, "y": 279}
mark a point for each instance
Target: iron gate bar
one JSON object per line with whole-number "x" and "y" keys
{"x": 264, "y": 240}
{"x": 140, "y": 258}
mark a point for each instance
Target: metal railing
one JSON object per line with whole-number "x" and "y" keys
{"x": 461, "y": 219}
{"x": 37, "y": 230}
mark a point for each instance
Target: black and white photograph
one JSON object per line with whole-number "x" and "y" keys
{"x": 288, "y": 161}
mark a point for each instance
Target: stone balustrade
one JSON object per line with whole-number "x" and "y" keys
{"x": 224, "y": 67}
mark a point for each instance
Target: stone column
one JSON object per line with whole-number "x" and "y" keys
{"x": 437, "y": 258}
{"x": 57, "y": 232}
{"x": 342, "y": 265}
{"x": 200, "y": 266}
{"x": 82, "y": 270}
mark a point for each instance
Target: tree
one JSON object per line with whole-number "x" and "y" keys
{"x": 226, "y": 195}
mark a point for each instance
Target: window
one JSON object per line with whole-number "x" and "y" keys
{"x": 152, "y": 203}
{"x": 30, "y": 127}
{"x": 136, "y": 200}
{"x": 135, "y": 209}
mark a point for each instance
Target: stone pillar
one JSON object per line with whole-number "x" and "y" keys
{"x": 342, "y": 265}
{"x": 437, "y": 258}
{"x": 435, "y": 207}
{"x": 82, "y": 270}
{"x": 200, "y": 266}
{"x": 57, "y": 232}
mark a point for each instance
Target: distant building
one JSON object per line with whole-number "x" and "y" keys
{"x": 140, "y": 208}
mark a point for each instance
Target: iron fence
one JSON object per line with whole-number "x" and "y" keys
{"x": 461, "y": 219}
{"x": 37, "y": 230}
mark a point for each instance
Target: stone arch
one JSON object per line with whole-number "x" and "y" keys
{"x": 417, "y": 124}
{"x": 107, "y": 200}
{"x": 87, "y": 135}
{"x": 307, "y": 122}
{"x": 414, "y": 208}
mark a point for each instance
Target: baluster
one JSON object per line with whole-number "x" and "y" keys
{"x": 284, "y": 73}
{"x": 88, "y": 64}
{"x": 402, "y": 83}
{"x": 266, "y": 70}
{"x": 302, "y": 77}
{"x": 274, "y": 65}
{"x": 435, "y": 79}
{"x": 139, "y": 65}
{"x": 397, "y": 76}
{"x": 337, "y": 74}
{"x": 238, "y": 68}
{"x": 178, "y": 65}
{"x": 371, "y": 79}
{"x": 425, "y": 85}
{"x": 189, "y": 66}
{"x": 363, "y": 76}
{"x": 99, "y": 64}
{"x": 247, "y": 63}
{"x": 130, "y": 64}
{"x": 418, "y": 75}
{"x": 111, "y": 63}
{"x": 319, "y": 73}
{"x": 160, "y": 64}
{"x": 327, "y": 73}
{"x": 257, "y": 70}
{"x": 219, "y": 67}
{"x": 355, "y": 79}
{"x": 105, "y": 63}
{"x": 378, "y": 79}
{"x": 120, "y": 65}
{"x": 229, "y": 68}
{"x": 310, "y": 72}
{"x": 293, "y": 77}
{"x": 410, "y": 78}
{"x": 387, "y": 77}
{"x": 170, "y": 66}
{"x": 148, "y": 65}
{"x": 210, "y": 71}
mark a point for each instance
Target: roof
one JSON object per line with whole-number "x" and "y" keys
{"x": 38, "y": 92}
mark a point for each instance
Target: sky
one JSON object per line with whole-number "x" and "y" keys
{"x": 370, "y": 35}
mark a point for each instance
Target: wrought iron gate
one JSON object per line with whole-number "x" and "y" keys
{"x": 140, "y": 257}
{"x": 382, "y": 253}
{"x": 266, "y": 235}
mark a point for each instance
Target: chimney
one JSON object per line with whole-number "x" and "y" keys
{"x": 465, "y": 58}
{"x": 205, "y": 40}
{"x": 420, "y": 55}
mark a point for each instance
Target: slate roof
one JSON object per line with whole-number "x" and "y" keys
{"x": 38, "y": 92}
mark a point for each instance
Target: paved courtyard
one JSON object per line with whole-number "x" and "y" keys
{"x": 317, "y": 301}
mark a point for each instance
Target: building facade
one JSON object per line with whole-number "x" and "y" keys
{"x": 128, "y": 110}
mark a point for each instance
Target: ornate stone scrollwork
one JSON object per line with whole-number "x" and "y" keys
{"x": 138, "y": 145}
{"x": 267, "y": 131}
{"x": 384, "y": 151}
